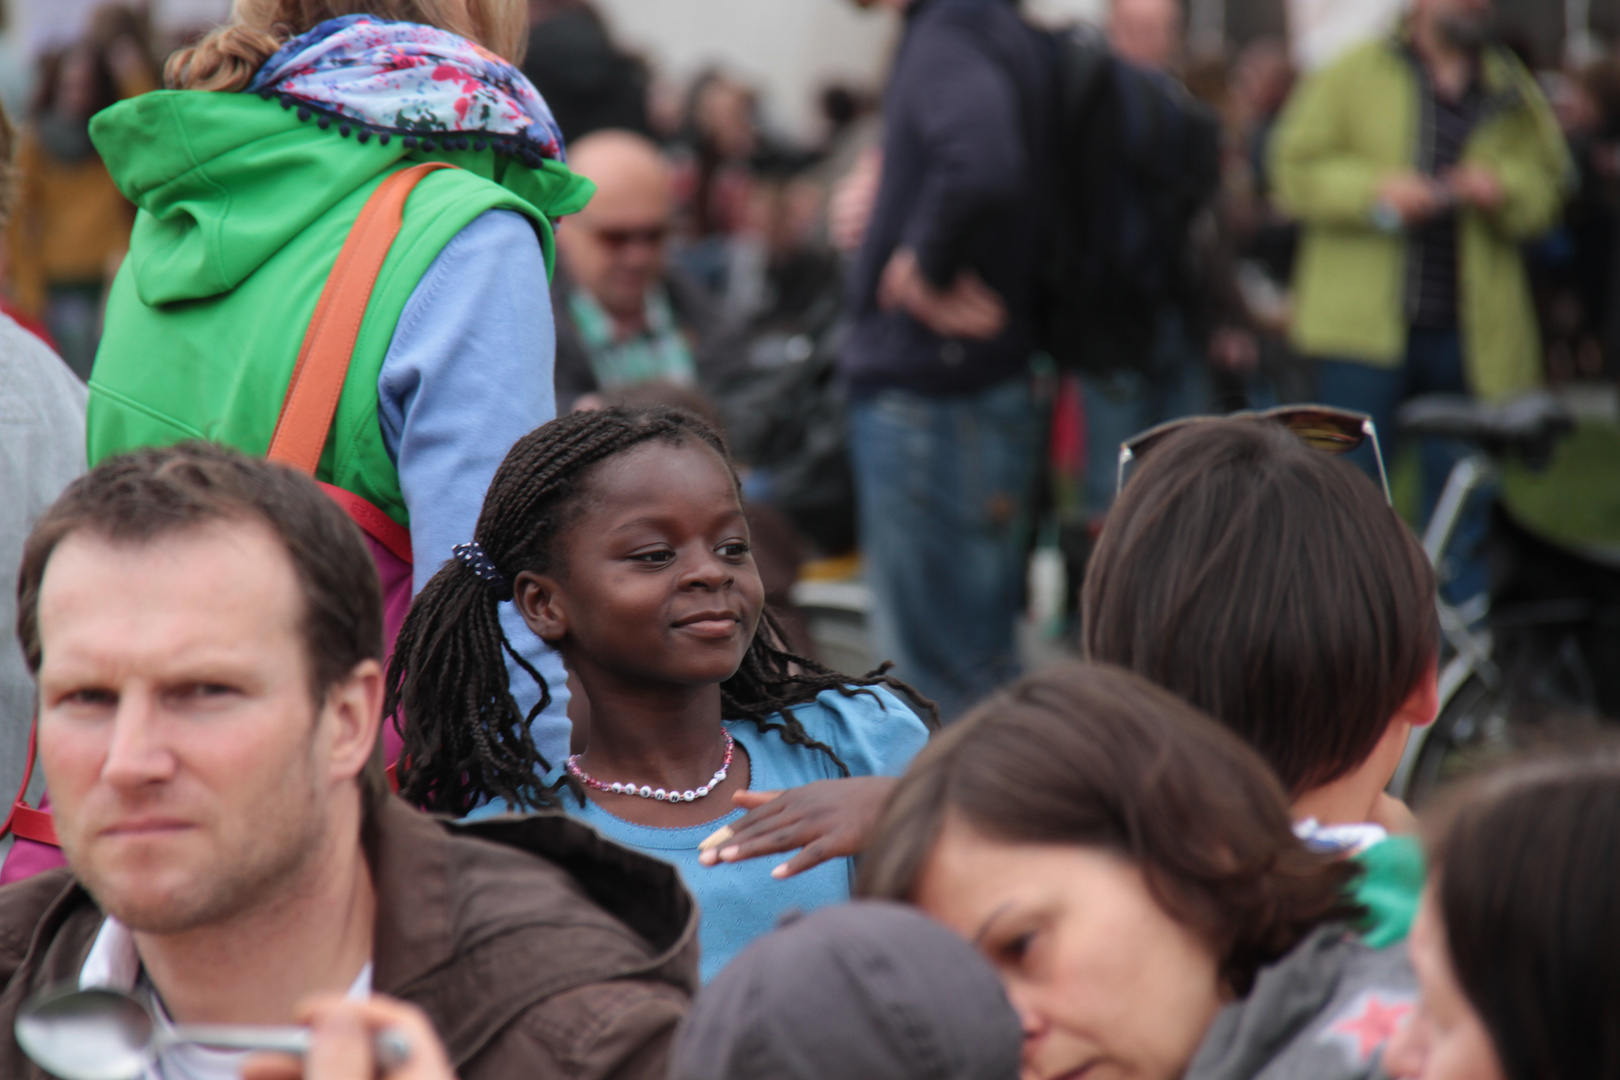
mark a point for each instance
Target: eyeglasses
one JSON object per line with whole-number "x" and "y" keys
{"x": 618, "y": 239}
{"x": 1321, "y": 427}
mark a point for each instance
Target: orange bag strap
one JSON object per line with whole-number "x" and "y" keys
{"x": 323, "y": 360}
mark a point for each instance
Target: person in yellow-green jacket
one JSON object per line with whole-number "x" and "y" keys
{"x": 1418, "y": 165}
{"x": 1270, "y": 584}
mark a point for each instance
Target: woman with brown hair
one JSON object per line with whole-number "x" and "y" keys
{"x": 1517, "y": 942}
{"x": 1129, "y": 868}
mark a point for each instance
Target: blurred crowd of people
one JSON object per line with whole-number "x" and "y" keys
{"x": 725, "y": 258}
{"x": 404, "y": 556}
{"x": 69, "y": 223}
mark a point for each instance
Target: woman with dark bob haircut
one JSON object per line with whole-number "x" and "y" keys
{"x": 1517, "y": 941}
{"x": 1129, "y": 868}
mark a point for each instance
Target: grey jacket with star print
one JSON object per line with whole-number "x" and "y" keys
{"x": 1323, "y": 1012}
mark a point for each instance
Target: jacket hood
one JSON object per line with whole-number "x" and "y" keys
{"x": 479, "y": 921}
{"x": 643, "y": 893}
{"x": 224, "y": 180}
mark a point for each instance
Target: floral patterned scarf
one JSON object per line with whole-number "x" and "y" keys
{"x": 426, "y": 86}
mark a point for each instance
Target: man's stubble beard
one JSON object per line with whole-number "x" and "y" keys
{"x": 280, "y": 851}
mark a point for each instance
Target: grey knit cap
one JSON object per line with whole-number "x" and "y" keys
{"x": 861, "y": 991}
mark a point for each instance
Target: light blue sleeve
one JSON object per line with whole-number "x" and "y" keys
{"x": 874, "y": 731}
{"x": 494, "y": 808}
{"x": 468, "y": 373}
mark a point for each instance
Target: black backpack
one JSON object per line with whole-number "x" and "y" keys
{"x": 1135, "y": 157}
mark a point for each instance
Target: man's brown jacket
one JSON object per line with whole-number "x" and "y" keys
{"x": 537, "y": 948}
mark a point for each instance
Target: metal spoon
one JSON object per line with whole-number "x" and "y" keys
{"x": 102, "y": 1034}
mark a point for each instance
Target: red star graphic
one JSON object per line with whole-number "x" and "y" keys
{"x": 1375, "y": 1026}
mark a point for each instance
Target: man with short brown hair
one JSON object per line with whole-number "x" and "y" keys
{"x": 207, "y": 633}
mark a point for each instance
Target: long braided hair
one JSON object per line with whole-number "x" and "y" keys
{"x": 466, "y": 740}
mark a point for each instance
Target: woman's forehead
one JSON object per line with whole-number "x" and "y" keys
{"x": 972, "y": 864}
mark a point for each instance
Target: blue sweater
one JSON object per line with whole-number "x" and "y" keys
{"x": 468, "y": 373}
{"x": 965, "y": 158}
{"x": 875, "y": 734}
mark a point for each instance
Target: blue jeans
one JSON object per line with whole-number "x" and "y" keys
{"x": 1433, "y": 365}
{"x": 1120, "y": 403}
{"x": 943, "y": 487}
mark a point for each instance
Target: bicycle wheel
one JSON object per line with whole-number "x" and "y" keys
{"x": 1470, "y": 732}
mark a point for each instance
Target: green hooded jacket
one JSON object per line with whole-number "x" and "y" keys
{"x": 1356, "y": 122}
{"x": 242, "y": 209}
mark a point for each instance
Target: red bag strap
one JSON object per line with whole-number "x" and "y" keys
{"x": 35, "y": 825}
{"x": 24, "y": 820}
{"x": 384, "y": 529}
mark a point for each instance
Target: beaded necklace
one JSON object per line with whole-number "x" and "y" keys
{"x": 647, "y": 792}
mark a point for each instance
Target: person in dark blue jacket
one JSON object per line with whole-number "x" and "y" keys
{"x": 943, "y": 428}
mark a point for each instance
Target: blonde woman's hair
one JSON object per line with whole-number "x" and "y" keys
{"x": 229, "y": 57}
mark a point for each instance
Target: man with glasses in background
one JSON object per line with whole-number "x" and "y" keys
{"x": 624, "y": 316}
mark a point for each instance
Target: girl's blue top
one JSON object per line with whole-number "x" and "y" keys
{"x": 874, "y": 732}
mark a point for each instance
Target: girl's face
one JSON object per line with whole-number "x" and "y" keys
{"x": 1107, "y": 984}
{"x": 658, "y": 585}
{"x": 1445, "y": 1039}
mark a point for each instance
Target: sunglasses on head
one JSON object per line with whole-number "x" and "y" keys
{"x": 1321, "y": 427}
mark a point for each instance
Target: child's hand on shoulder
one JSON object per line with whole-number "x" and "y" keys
{"x": 826, "y": 819}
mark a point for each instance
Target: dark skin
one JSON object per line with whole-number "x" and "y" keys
{"x": 653, "y": 603}
{"x": 823, "y": 820}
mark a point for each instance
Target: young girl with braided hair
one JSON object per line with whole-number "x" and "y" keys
{"x": 619, "y": 536}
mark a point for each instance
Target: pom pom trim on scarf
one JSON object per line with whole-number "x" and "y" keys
{"x": 428, "y": 141}
{"x": 432, "y": 90}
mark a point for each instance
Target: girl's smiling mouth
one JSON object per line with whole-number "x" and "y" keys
{"x": 715, "y": 624}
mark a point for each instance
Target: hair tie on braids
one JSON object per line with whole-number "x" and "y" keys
{"x": 473, "y": 556}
